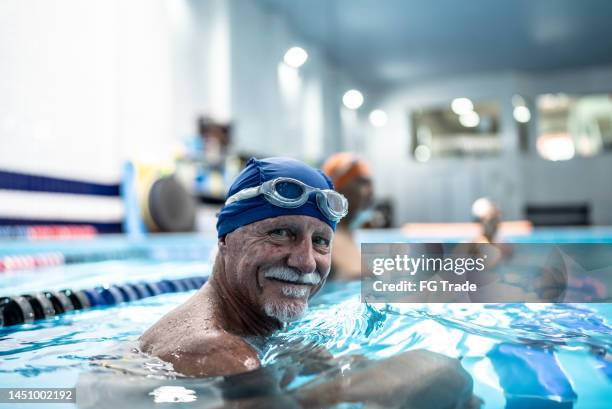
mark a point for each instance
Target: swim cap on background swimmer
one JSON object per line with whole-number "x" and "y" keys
{"x": 343, "y": 167}
{"x": 256, "y": 172}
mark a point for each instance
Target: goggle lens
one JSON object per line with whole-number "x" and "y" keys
{"x": 289, "y": 190}
{"x": 335, "y": 202}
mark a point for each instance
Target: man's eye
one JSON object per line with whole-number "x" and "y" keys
{"x": 321, "y": 241}
{"x": 280, "y": 233}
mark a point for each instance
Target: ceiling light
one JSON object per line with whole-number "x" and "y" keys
{"x": 352, "y": 99}
{"x": 295, "y": 57}
{"x": 462, "y": 106}
{"x": 521, "y": 114}
{"x": 378, "y": 118}
{"x": 469, "y": 119}
{"x": 422, "y": 153}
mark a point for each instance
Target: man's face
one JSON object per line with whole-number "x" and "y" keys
{"x": 278, "y": 263}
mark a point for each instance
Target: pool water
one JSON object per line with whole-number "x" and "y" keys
{"x": 520, "y": 355}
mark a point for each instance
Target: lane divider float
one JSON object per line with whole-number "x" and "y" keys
{"x": 27, "y": 308}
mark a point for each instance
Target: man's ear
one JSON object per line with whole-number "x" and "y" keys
{"x": 222, "y": 245}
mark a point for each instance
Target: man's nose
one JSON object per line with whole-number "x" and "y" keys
{"x": 302, "y": 257}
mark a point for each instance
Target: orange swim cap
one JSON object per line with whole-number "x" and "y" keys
{"x": 343, "y": 167}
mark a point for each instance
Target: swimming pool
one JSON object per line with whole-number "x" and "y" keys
{"x": 535, "y": 355}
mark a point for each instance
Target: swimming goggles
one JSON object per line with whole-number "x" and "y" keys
{"x": 291, "y": 193}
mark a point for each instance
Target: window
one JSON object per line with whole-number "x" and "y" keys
{"x": 578, "y": 125}
{"x": 460, "y": 129}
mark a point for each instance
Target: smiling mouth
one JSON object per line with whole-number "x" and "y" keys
{"x": 292, "y": 289}
{"x": 287, "y": 282}
{"x": 289, "y": 276}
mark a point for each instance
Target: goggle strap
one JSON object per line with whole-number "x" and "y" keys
{"x": 243, "y": 194}
{"x": 321, "y": 195}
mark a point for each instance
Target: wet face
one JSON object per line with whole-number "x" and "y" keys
{"x": 277, "y": 264}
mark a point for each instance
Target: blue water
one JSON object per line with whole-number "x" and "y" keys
{"x": 540, "y": 351}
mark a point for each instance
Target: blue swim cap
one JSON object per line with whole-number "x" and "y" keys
{"x": 257, "y": 208}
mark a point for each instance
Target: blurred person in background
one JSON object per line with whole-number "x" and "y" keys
{"x": 216, "y": 138}
{"x": 351, "y": 177}
{"x": 488, "y": 215}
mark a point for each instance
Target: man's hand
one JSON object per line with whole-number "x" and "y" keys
{"x": 413, "y": 379}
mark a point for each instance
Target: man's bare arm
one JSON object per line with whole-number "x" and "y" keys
{"x": 216, "y": 354}
{"x": 413, "y": 379}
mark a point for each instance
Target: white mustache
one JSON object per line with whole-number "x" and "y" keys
{"x": 288, "y": 274}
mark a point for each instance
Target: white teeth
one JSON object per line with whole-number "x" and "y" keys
{"x": 294, "y": 292}
{"x": 290, "y": 275}
{"x": 284, "y": 274}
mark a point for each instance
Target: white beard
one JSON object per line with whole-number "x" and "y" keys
{"x": 285, "y": 311}
{"x": 290, "y": 310}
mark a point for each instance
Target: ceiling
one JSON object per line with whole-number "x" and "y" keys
{"x": 390, "y": 41}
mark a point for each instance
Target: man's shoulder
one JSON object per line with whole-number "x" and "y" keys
{"x": 214, "y": 353}
{"x": 216, "y": 341}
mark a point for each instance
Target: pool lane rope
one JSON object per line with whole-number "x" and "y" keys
{"x": 27, "y": 308}
{"x": 15, "y": 262}
{"x": 31, "y": 261}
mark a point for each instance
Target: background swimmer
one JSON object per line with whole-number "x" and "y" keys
{"x": 488, "y": 214}
{"x": 352, "y": 177}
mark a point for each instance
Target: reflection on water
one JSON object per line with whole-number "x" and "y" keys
{"x": 514, "y": 352}
{"x": 173, "y": 394}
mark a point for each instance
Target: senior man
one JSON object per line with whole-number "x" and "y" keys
{"x": 275, "y": 233}
{"x": 275, "y": 237}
